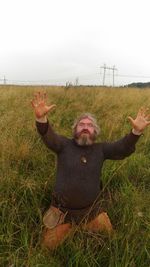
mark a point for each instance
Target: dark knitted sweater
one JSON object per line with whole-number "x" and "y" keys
{"x": 78, "y": 182}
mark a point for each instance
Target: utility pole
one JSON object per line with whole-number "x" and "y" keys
{"x": 113, "y": 69}
{"x": 76, "y": 81}
{"x": 4, "y": 80}
{"x": 104, "y": 67}
{"x": 104, "y": 73}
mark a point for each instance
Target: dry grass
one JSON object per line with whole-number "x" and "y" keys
{"x": 27, "y": 174}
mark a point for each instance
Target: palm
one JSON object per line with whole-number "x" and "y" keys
{"x": 141, "y": 121}
{"x": 41, "y": 109}
{"x": 39, "y": 105}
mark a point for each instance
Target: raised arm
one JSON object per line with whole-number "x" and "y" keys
{"x": 41, "y": 109}
{"x": 126, "y": 145}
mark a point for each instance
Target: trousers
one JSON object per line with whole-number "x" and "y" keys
{"x": 56, "y": 231}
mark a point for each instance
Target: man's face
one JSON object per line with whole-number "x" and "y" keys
{"x": 85, "y": 132}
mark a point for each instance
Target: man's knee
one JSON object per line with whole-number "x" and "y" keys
{"x": 100, "y": 223}
{"x": 52, "y": 238}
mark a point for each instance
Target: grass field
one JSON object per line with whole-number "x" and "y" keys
{"x": 27, "y": 175}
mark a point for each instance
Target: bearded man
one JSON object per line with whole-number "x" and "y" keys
{"x": 77, "y": 191}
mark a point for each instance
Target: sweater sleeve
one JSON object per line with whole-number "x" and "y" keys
{"x": 121, "y": 148}
{"x": 51, "y": 139}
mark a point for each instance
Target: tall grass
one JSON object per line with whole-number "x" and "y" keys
{"x": 27, "y": 175}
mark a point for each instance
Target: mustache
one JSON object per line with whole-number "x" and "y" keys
{"x": 84, "y": 131}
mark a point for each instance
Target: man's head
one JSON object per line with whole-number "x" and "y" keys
{"x": 85, "y": 129}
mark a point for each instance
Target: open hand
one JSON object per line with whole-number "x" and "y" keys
{"x": 141, "y": 121}
{"x": 39, "y": 105}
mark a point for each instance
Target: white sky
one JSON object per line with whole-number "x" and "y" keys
{"x": 57, "y": 41}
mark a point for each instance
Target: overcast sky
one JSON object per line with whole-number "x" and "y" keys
{"x": 61, "y": 40}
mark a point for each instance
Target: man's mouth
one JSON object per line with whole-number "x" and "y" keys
{"x": 84, "y": 131}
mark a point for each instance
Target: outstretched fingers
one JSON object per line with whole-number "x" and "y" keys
{"x": 147, "y": 117}
{"x": 38, "y": 98}
{"x": 140, "y": 111}
{"x": 51, "y": 107}
{"x": 39, "y": 104}
{"x": 143, "y": 112}
{"x": 130, "y": 119}
{"x": 45, "y": 96}
{"x": 33, "y": 104}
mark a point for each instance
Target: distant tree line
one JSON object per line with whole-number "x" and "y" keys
{"x": 139, "y": 85}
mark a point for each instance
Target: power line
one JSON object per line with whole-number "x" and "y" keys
{"x": 84, "y": 78}
{"x": 133, "y": 76}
